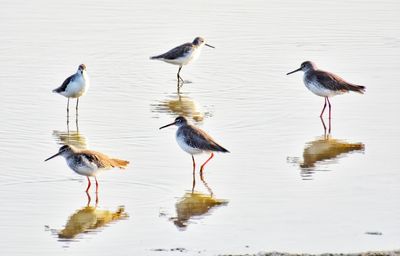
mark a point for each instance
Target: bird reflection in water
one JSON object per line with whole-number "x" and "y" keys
{"x": 180, "y": 105}
{"x": 324, "y": 149}
{"x": 71, "y": 137}
{"x": 194, "y": 205}
{"x": 90, "y": 219}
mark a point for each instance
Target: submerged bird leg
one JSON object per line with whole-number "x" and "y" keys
{"x": 206, "y": 185}
{"x": 202, "y": 166}
{"x": 97, "y": 199}
{"x": 329, "y": 128}
{"x": 88, "y": 199}
{"x": 68, "y": 109}
{"x": 329, "y": 107}
{"x": 76, "y": 108}
{"x": 87, "y": 189}
{"x": 323, "y": 124}
{"x": 97, "y": 185}
{"x": 77, "y": 124}
{"x": 323, "y": 108}
{"x": 178, "y": 76}
{"x": 194, "y": 174}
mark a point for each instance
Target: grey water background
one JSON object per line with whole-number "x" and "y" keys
{"x": 275, "y": 197}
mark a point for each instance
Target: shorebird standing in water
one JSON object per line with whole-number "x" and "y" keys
{"x": 87, "y": 162}
{"x": 195, "y": 141}
{"x": 183, "y": 54}
{"x": 75, "y": 86}
{"x": 325, "y": 84}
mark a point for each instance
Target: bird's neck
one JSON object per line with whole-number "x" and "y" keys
{"x": 308, "y": 71}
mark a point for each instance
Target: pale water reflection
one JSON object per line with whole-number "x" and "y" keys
{"x": 194, "y": 204}
{"x": 179, "y": 104}
{"x": 74, "y": 138}
{"x": 240, "y": 94}
{"x": 90, "y": 220}
{"x": 324, "y": 150}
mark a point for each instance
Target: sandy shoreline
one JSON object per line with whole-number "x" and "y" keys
{"x": 372, "y": 253}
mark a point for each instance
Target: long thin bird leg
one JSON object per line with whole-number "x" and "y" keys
{"x": 68, "y": 107}
{"x": 87, "y": 189}
{"x": 97, "y": 199}
{"x": 194, "y": 174}
{"x": 202, "y": 166}
{"x": 323, "y": 124}
{"x": 88, "y": 199}
{"x": 323, "y": 108}
{"x": 97, "y": 185}
{"x": 179, "y": 77}
{"x": 76, "y": 108}
{"x": 68, "y": 111}
{"x": 206, "y": 185}
{"x": 77, "y": 124}
{"x": 329, "y": 128}
{"x": 329, "y": 107}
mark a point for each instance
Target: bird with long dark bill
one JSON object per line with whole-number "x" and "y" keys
{"x": 195, "y": 141}
{"x": 88, "y": 162}
{"x": 183, "y": 54}
{"x": 325, "y": 84}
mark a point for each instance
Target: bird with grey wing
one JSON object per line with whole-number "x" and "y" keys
{"x": 74, "y": 86}
{"x": 325, "y": 84}
{"x": 183, "y": 55}
{"x": 195, "y": 141}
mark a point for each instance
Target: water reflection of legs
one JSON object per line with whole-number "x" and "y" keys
{"x": 89, "y": 199}
{"x": 180, "y": 80}
{"x": 194, "y": 174}
{"x": 68, "y": 111}
{"x": 76, "y": 115}
{"x": 206, "y": 185}
{"x": 329, "y": 126}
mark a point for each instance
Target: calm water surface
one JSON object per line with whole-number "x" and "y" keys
{"x": 284, "y": 186}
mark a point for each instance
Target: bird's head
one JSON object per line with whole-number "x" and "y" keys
{"x": 64, "y": 151}
{"x": 199, "y": 41}
{"x": 179, "y": 121}
{"x": 305, "y": 66}
{"x": 82, "y": 68}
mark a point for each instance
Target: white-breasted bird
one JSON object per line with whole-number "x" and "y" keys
{"x": 183, "y": 54}
{"x": 194, "y": 141}
{"x": 75, "y": 85}
{"x": 325, "y": 84}
{"x": 88, "y": 162}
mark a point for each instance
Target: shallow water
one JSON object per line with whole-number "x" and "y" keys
{"x": 284, "y": 186}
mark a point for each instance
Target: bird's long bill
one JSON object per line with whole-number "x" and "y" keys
{"x": 52, "y": 156}
{"x": 162, "y": 127}
{"x": 293, "y": 71}
{"x": 209, "y": 45}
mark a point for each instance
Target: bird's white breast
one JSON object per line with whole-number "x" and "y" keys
{"x": 84, "y": 167}
{"x": 77, "y": 87}
{"x": 319, "y": 89}
{"x": 181, "y": 142}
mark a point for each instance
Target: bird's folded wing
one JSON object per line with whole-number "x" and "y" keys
{"x": 64, "y": 85}
{"x": 177, "y": 52}
{"x": 197, "y": 138}
{"x": 331, "y": 81}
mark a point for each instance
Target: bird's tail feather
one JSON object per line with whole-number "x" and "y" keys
{"x": 155, "y": 57}
{"x": 120, "y": 163}
{"x": 222, "y": 149}
{"x": 356, "y": 88}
